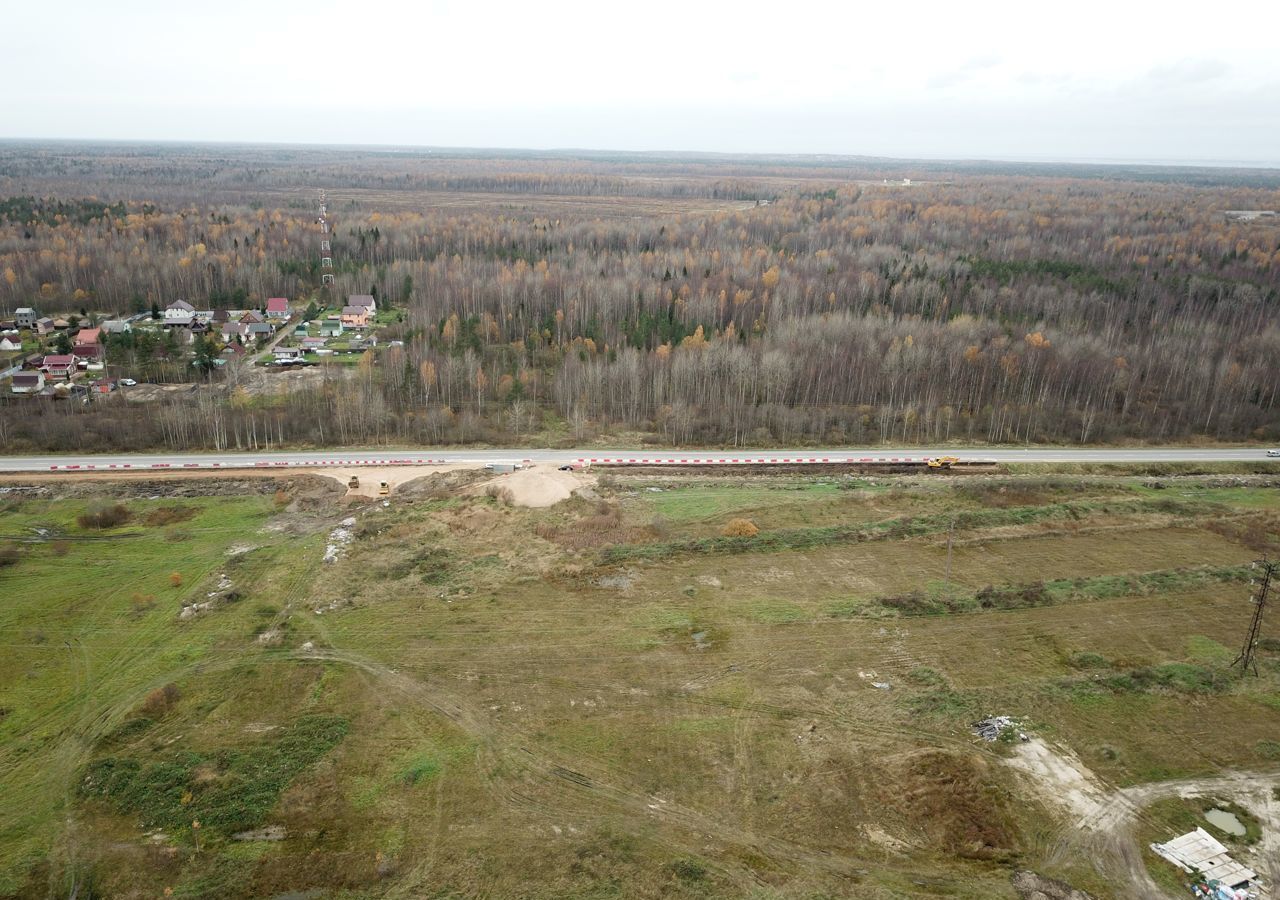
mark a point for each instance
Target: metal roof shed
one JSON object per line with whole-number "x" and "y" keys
{"x": 1199, "y": 851}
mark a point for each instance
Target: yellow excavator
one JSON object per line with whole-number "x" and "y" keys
{"x": 941, "y": 462}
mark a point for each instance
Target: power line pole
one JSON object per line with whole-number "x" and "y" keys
{"x": 1245, "y": 660}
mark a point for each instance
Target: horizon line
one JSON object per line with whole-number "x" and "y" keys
{"x": 1100, "y": 161}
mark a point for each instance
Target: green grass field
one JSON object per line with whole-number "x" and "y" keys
{"x": 605, "y": 699}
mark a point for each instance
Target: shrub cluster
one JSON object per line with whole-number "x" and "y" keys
{"x": 245, "y": 785}
{"x": 103, "y": 514}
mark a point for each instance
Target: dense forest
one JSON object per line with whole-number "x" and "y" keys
{"x": 703, "y": 300}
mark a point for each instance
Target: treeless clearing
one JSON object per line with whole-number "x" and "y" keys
{"x": 694, "y": 726}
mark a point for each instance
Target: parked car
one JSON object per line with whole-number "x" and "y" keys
{"x": 128, "y": 382}
{"x": 566, "y": 468}
{"x": 1273, "y": 452}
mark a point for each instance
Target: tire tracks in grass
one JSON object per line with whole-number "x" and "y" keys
{"x": 589, "y": 787}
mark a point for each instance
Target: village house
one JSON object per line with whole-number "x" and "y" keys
{"x": 88, "y": 343}
{"x": 116, "y": 326}
{"x": 44, "y": 325}
{"x": 27, "y": 383}
{"x": 59, "y": 364}
{"x": 179, "y": 311}
{"x": 8, "y": 345}
{"x": 287, "y": 354}
{"x": 258, "y": 330}
{"x": 363, "y": 300}
{"x": 232, "y": 330}
{"x": 277, "y": 308}
{"x": 330, "y": 327}
{"x": 26, "y": 317}
{"x": 355, "y": 316}
{"x": 312, "y": 343}
{"x": 61, "y": 324}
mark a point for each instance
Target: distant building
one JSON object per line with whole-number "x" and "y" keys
{"x": 116, "y": 326}
{"x": 1239, "y": 215}
{"x": 26, "y": 317}
{"x": 330, "y": 327}
{"x": 8, "y": 345}
{"x": 365, "y": 300}
{"x": 355, "y": 316}
{"x": 60, "y": 364}
{"x": 44, "y": 325}
{"x": 277, "y": 308}
{"x": 283, "y": 354}
{"x": 179, "y": 314}
{"x": 27, "y": 383}
{"x": 88, "y": 343}
{"x": 179, "y": 309}
{"x": 312, "y": 343}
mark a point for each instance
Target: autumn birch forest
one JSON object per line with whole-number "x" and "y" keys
{"x": 577, "y": 298}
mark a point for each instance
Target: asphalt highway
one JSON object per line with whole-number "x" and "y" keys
{"x": 434, "y": 456}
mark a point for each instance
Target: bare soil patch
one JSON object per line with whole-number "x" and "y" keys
{"x": 538, "y": 488}
{"x": 370, "y": 478}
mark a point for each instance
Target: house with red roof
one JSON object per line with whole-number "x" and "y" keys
{"x": 59, "y": 364}
{"x": 88, "y": 343}
{"x": 277, "y": 308}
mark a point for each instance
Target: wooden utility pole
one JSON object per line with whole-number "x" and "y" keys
{"x": 1245, "y": 660}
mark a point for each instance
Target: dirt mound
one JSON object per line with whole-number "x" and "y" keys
{"x": 540, "y": 487}
{"x": 955, "y": 801}
{"x": 312, "y": 493}
{"x": 441, "y": 483}
{"x": 399, "y": 478}
{"x": 1031, "y": 886}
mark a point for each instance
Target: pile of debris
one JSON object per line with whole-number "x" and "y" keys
{"x": 223, "y": 592}
{"x": 339, "y": 538}
{"x": 990, "y": 728}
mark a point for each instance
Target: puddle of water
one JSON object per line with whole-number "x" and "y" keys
{"x": 1226, "y": 821}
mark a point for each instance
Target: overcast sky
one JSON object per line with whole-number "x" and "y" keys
{"x": 1163, "y": 81}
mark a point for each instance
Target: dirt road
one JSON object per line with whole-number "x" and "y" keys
{"x": 1103, "y": 819}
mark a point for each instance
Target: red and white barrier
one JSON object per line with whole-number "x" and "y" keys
{"x": 257, "y": 464}
{"x": 769, "y": 461}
